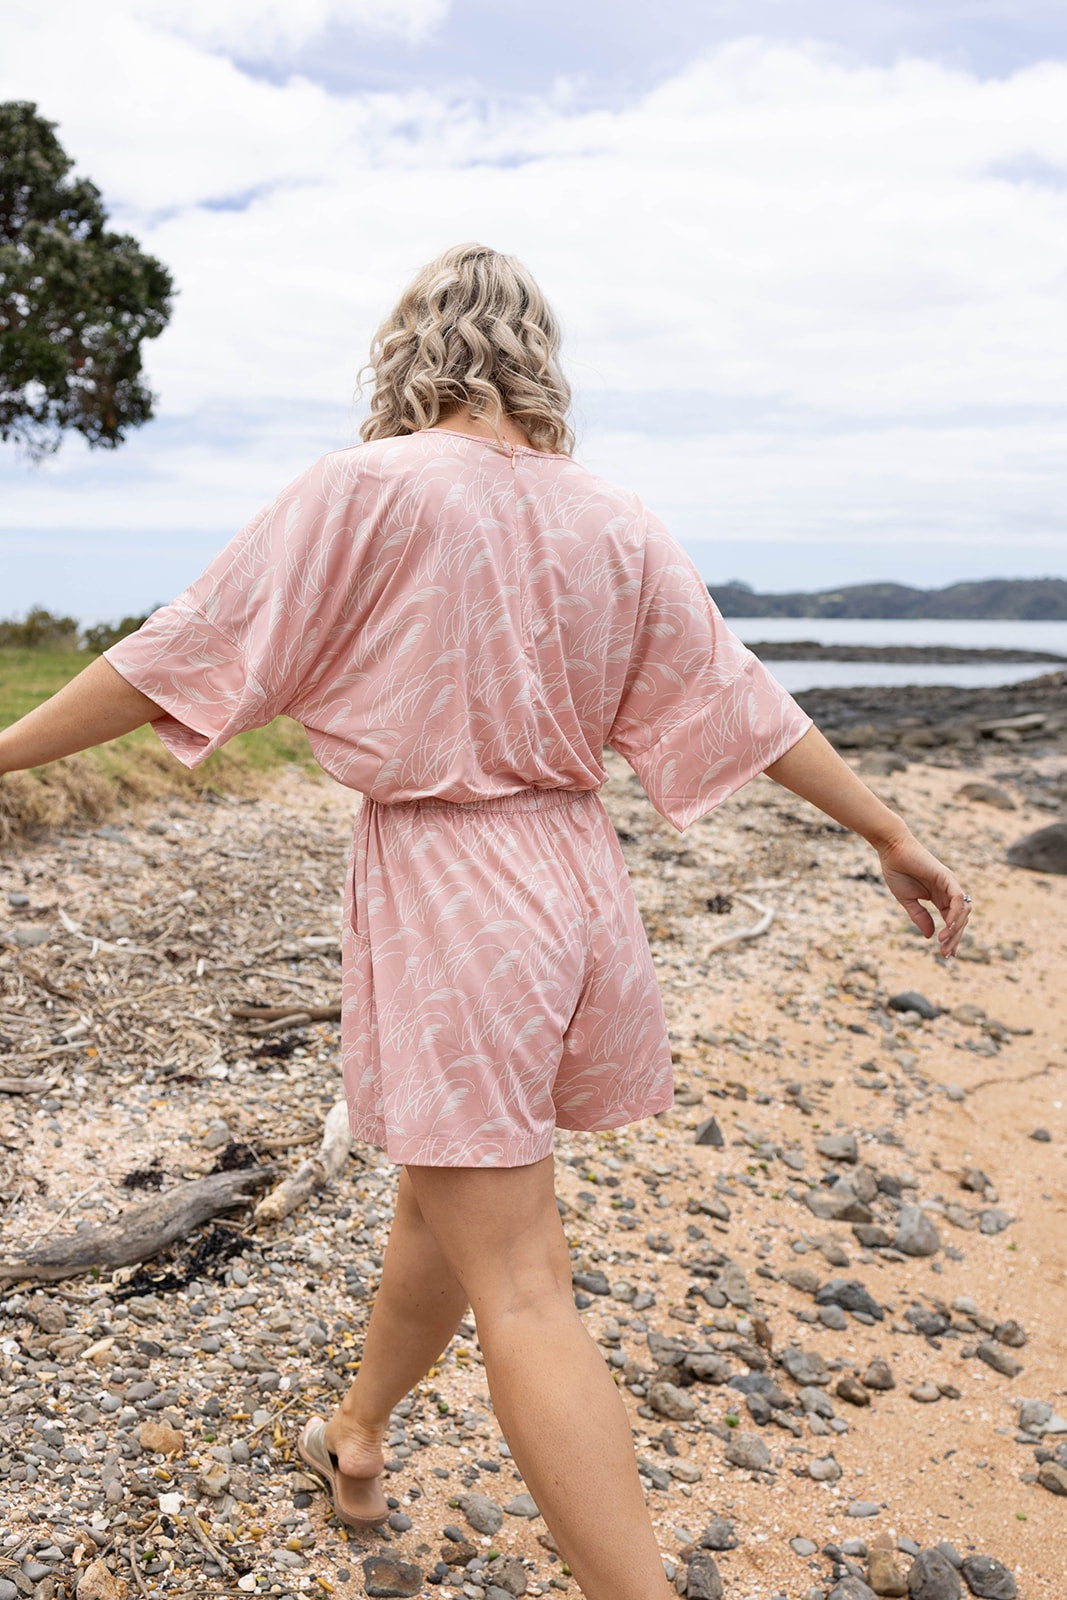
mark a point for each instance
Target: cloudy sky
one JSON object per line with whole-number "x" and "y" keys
{"x": 810, "y": 258}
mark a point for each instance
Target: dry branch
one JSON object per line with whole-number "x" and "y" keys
{"x": 141, "y": 1232}
{"x": 758, "y": 928}
{"x": 283, "y": 1013}
{"x": 313, "y": 1173}
{"x": 24, "y": 1085}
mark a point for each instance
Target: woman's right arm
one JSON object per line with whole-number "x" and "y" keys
{"x": 95, "y": 706}
{"x": 812, "y": 769}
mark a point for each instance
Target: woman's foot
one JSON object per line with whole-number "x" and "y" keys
{"x": 358, "y": 1451}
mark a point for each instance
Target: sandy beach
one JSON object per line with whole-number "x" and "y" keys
{"x": 740, "y": 1290}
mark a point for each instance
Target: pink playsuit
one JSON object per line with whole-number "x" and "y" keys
{"x": 462, "y": 627}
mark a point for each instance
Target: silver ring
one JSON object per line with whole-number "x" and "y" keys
{"x": 966, "y": 899}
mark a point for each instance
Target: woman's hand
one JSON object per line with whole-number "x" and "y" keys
{"x": 912, "y": 874}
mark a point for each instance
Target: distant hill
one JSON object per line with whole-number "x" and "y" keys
{"x": 1014, "y": 599}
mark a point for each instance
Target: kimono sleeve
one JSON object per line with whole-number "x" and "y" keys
{"x": 700, "y": 715}
{"x": 243, "y": 642}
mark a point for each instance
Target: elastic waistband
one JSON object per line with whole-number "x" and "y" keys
{"x": 521, "y": 800}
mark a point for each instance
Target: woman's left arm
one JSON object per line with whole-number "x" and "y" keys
{"x": 813, "y": 769}
{"x": 95, "y": 706}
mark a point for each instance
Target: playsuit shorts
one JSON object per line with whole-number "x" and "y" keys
{"x": 497, "y": 980}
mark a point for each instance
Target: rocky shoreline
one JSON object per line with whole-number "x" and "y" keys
{"x": 827, "y": 1281}
{"x": 916, "y": 717}
{"x": 933, "y": 654}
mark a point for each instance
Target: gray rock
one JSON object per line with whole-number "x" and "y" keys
{"x": 1043, "y": 851}
{"x": 833, "y": 1317}
{"x": 1042, "y": 1136}
{"x": 838, "y": 1147}
{"x": 992, "y": 1220}
{"x": 523, "y": 1505}
{"x": 912, "y": 1000}
{"x": 933, "y": 1578}
{"x": 28, "y": 938}
{"x": 670, "y": 1401}
{"x": 8, "y": 1590}
{"x": 863, "y": 1508}
{"x": 988, "y": 1579}
{"x": 824, "y": 1469}
{"x": 1033, "y": 1414}
{"x": 995, "y": 1356}
{"x": 747, "y": 1451}
{"x": 851, "y": 1588}
{"x": 916, "y": 1233}
{"x": 839, "y": 1204}
{"x": 595, "y": 1282}
{"x": 734, "y": 1285}
{"x": 803, "y": 1547}
{"x": 988, "y": 794}
{"x": 483, "y": 1514}
{"x": 702, "y": 1580}
{"x": 507, "y": 1576}
{"x": 879, "y": 1375}
{"x": 1053, "y": 1477}
{"x": 805, "y": 1366}
{"x": 718, "y": 1535}
{"x": 382, "y": 1576}
{"x": 710, "y": 1133}
{"x": 850, "y": 1295}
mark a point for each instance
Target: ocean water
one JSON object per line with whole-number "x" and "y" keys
{"x": 796, "y": 676}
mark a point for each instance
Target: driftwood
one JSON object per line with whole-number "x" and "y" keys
{"x": 284, "y": 1013}
{"x": 140, "y": 1232}
{"x": 313, "y": 1173}
{"x": 758, "y": 928}
{"x": 24, "y": 1085}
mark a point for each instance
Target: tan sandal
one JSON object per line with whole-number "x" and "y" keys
{"x": 358, "y": 1502}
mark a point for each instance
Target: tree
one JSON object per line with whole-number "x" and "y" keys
{"x": 76, "y": 300}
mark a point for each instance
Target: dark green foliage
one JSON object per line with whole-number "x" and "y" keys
{"x": 1012, "y": 599}
{"x": 39, "y": 630}
{"x": 76, "y": 300}
{"x": 102, "y": 635}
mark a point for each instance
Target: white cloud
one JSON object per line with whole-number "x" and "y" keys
{"x": 267, "y": 29}
{"x": 775, "y": 227}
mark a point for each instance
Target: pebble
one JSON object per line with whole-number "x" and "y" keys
{"x": 879, "y": 1375}
{"x": 748, "y": 1451}
{"x": 926, "y": 1393}
{"x": 838, "y": 1147}
{"x": 671, "y": 1402}
{"x": 850, "y": 1389}
{"x": 886, "y": 1575}
{"x": 824, "y": 1469}
{"x": 851, "y": 1588}
{"x": 523, "y": 1505}
{"x": 382, "y": 1576}
{"x": 863, "y": 1508}
{"x": 805, "y": 1366}
{"x": 703, "y": 1581}
{"x": 803, "y": 1547}
{"x": 912, "y": 1000}
{"x": 718, "y": 1535}
{"x": 483, "y": 1514}
{"x": 1053, "y": 1477}
{"x": 988, "y": 1579}
{"x": 916, "y": 1233}
{"x": 995, "y": 1356}
{"x": 933, "y": 1577}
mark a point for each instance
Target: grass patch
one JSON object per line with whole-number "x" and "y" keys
{"x": 98, "y": 783}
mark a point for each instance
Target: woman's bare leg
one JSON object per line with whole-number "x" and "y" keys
{"x": 553, "y": 1395}
{"x": 415, "y": 1313}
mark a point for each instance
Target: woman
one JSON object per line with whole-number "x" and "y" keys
{"x": 463, "y": 618}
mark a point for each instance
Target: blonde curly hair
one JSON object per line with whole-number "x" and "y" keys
{"x": 471, "y": 329}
